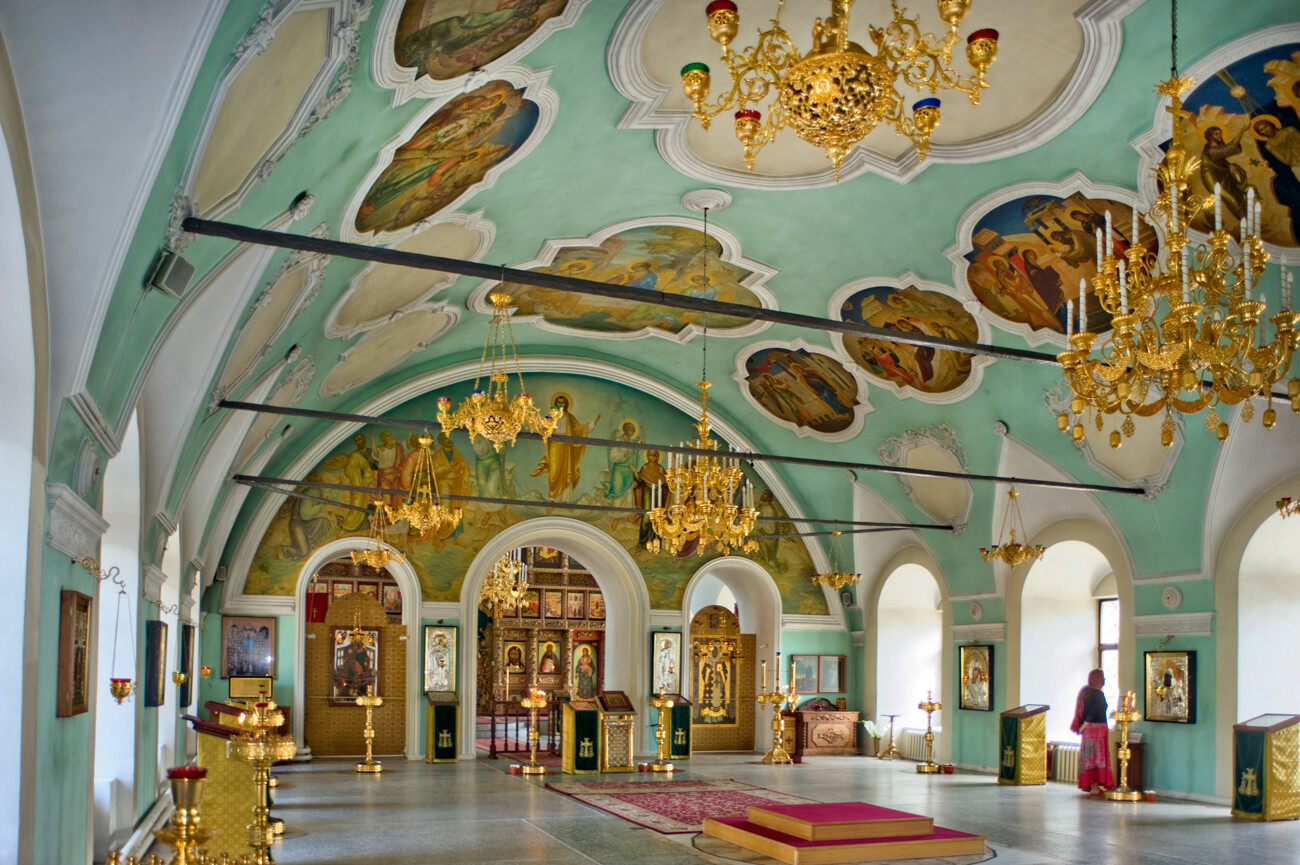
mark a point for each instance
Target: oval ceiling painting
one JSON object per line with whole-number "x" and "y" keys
{"x": 1028, "y": 254}
{"x": 448, "y": 38}
{"x": 668, "y": 258}
{"x": 803, "y": 388}
{"x": 911, "y": 310}
{"x": 453, "y": 150}
{"x": 1245, "y": 127}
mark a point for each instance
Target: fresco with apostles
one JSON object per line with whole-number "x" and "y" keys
{"x": 383, "y": 457}
{"x": 447, "y": 38}
{"x": 1243, "y": 123}
{"x": 910, "y": 310}
{"x": 1028, "y": 254}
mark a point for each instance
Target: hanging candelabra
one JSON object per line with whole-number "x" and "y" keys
{"x": 506, "y": 583}
{"x": 379, "y": 553}
{"x": 837, "y": 93}
{"x": 493, "y": 413}
{"x": 119, "y": 686}
{"x": 1189, "y": 331}
{"x": 836, "y": 578}
{"x": 423, "y": 509}
{"x": 1011, "y": 551}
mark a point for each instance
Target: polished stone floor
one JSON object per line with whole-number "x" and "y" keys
{"x": 474, "y": 812}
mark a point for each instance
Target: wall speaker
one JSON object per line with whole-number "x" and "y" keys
{"x": 171, "y": 274}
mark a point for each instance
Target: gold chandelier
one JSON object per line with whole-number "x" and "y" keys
{"x": 1011, "y": 551}
{"x": 1288, "y": 508}
{"x": 379, "y": 555}
{"x": 836, "y": 579}
{"x": 492, "y": 413}
{"x": 834, "y": 95}
{"x": 507, "y": 582}
{"x": 701, "y": 500}
{"x": 423, "y": 509}
{"x": 1189, "y": 331}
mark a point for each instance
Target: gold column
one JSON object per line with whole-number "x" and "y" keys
{"x": 663, "y": 705}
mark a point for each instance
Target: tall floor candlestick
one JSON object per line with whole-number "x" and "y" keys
{"x": 929, "y": 767}
{"x": 663, "y": 705}
{"x": 1126, "y": 714}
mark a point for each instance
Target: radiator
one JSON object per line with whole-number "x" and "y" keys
{"x": 911, "y": 743}
{"x": 1065, "y": 762}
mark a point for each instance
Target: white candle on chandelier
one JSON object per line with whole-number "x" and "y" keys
{"x": 1133, "y": 236}
{"x": 1258, "y": 212}
{"x": 1173, "y": 205}
{"x": 1286, "y": 289}
{"x": 1069, "y": 319}
{"x": 1083, "y": 302}
{"x": 1123, "y": 288}
{"x": 1110, "y": 237}
{"x": 1101, "y": 244}
{"x": 1182, "y": 268}
{"x": 1218, "y": 208}
{"x": 1250, "y": 212}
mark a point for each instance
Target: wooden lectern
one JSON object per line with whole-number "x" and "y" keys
{"x": 679, "y": 728}
{"x": 1022, "y": 749}
{"x": 442, "y": 720}
{"x": 1265, "y": 755}
{"x": 580, "y": 738}
{"x": 617, "y": 732}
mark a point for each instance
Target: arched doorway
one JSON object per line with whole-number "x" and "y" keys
{"x": 909, "y": 644}
{"x": 1268, "y": 607}
{"x": 623, "y": 590}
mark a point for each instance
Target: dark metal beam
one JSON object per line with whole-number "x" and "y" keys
{"x": 361, "y": 252}
{"x": 665, "y": 448}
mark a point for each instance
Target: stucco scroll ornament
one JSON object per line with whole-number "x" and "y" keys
{"x": 347, "y": 32}
{"x": 941, "y": 437}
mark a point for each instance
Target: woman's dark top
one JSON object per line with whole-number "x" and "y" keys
{"x": 1094, "y": 707}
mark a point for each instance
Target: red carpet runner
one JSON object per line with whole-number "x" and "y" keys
{"x": 674, "y": 806}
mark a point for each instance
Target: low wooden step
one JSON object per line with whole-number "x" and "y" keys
{"x": 800, "y": 851}
{"x": 832, "y": 821}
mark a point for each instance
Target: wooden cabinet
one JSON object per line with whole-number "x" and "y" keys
{"x": 826, "y": 733}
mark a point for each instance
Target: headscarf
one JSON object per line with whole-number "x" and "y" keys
{"x": 1096, "y": 679}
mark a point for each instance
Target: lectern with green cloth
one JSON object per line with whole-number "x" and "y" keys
{"x": 580, "y": 738}
{"x": 1265, "y": 766}
{"x": 679, "y": 729}
{"x": 442, "y": 719}
{"x": 1022, "y": 751}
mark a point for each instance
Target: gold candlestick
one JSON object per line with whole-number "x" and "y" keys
{"x": 929, "y": 767}
{"x": 184, "y": 833}
{"x": 259, "y": 745}
{"x": 1126, "y": 714}
{"x": 663, "y": 705}
{"x": 535, "y": 700}
{"x": 892, "y": 751}
{"x": 778, "y": 756}
{"x": 370, "y": 765}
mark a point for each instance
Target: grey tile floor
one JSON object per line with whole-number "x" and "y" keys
{"x": 474, "y": 812}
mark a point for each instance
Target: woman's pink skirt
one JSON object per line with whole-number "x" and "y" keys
{"x": 1094, "y": 757}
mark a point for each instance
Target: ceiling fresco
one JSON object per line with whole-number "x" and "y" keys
{"x": 448, "y": 38}
{"x": 810, "y": 391}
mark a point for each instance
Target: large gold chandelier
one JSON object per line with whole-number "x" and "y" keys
{"x": 701, "y": 500}
{"x": 834, "y": 95}
{"x": 492, "y": 413}
{"x": 507, "y": 582}
{"x": 836, "y": 578}
{"x": 423, "y": 509}
{"x": 1189, "y": 332}
{"x": 1011, "y": 551}
{"x": 380, "y": 554}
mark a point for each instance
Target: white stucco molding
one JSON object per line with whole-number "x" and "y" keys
{"x": 75, "y": 528}
{"x": 405, "y": 81}
{"x": 993, "y": 632}
{"x": 152, "y": 580}
{"x": 1100, "y": 23}
{"x": 1177, "y": 624}
{"x": 943, "y": 438}
{"x": 100, "y": 429}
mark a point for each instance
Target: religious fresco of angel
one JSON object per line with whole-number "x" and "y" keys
{"x": 1028, "y": 254}
{"x": 910, "y": 310}
{"x": 451, "y": 152}
{"x": 445, "y": 39}
{"x": 1244, "y": 125}
{"x": 668, "y": 258}
{"x": 801, "y": 387}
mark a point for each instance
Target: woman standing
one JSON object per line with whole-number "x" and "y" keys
{"x": 1089, "y": 722}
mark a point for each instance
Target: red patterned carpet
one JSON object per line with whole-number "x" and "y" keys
{"x": 674, "y": 806}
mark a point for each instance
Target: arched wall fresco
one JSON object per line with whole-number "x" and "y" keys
{"x": 380, "y": 456}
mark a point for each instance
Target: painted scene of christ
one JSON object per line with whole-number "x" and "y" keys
{"x": 801, "y": 387}
{"x": 910, "y": 310}
{"x": 447, "y": 38}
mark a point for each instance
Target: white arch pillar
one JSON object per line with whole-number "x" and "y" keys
{"x": 627, "y": 609}
{"x": 412, "y": 597}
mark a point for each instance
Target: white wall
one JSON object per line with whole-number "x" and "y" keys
{"x": 709, "y": 591}
{"x": 908, "y": 643}
{"x": 1268, "y": 598}
{"x": 1058, "y": 631}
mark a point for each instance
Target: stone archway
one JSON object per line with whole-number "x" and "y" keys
{"x": 627, "y": 610}
{"x": 412, "y": 598}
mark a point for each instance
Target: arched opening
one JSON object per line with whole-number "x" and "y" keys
{"x": 116, "y": 623}
{"x": 1268, "y": 607}
{"x": 623, "y": 591}
{"x": 909, "y": 646}
{"x": 1062, "y": 601}
{"x": 169, "y": 596}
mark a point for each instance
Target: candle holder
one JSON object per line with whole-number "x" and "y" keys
{"x": 120, "y": 689}
{"x": 535, "y": 700}
{"x": 778, "y": 756}
{"x": 184, "y": 833}
{"x": 204, "y": 672}
{"x": 259, "y": 745}
{"x": 1126, "y": 714}
{"x": 663, "y": 705}
{"x": 370, "y": 766}
{"x": 892, "y": 751}
{"x": 929, "y": 767}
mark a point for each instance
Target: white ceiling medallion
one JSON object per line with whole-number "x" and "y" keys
{"x": 755, "y": 282}
{"x": 403, "y": 80}
{"x": 326, "y": 89}
{"x": 976, "y": 611}
{"x": 904, "y": 391}
{"x": 534, "y": 89}
{"x": 803, "y": 387}
{"x": 701, "y": 200}
{"x": 944, "y": 500}
{"x": 967, "y": 225}
{"x": 1171, "y": 597}
{"x": 1149, "y": 144}
{"x": 1101, "y": 37}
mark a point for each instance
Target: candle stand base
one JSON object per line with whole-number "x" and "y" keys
{"x": 374, "y": 767}
{"x": 928, "y": 768}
